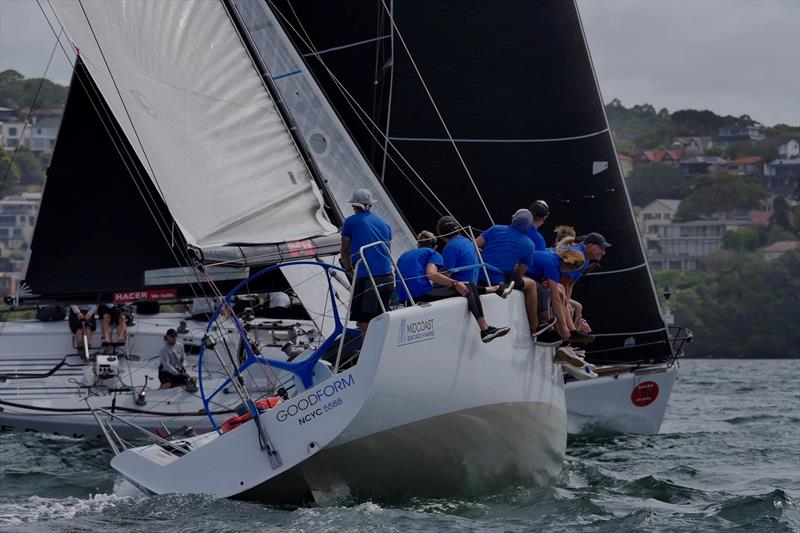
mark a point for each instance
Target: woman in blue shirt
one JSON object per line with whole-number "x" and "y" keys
{"x": 419, "y": 269}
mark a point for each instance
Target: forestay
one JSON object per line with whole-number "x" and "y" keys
{"x": 186, "y": 94}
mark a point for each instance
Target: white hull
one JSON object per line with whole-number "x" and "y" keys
{"x": 625, "y": 403}
{"x": 443, "y": 413}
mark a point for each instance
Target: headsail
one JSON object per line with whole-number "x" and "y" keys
{"x": 187, "y": 96}
{"x": 509, "y": 106}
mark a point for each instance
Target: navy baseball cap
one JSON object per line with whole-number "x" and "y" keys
{"x": 595, "y": 238}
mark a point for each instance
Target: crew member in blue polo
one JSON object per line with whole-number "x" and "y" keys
{"x": 360, "y": 229}
{"x": 540, "y": 211}
{"x": 508, "y": 249}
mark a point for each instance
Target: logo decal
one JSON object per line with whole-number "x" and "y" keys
{"x": 644, "y": 393}
{"x": 418, "y": 331}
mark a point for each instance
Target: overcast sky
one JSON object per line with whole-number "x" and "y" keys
{"x": 730, "y": 56}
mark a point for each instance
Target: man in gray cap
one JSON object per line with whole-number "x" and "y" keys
{"x": 360, "y": 229}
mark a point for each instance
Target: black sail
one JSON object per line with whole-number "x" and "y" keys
{"x": 514, "y": 85}
{"x": 95, "y": 234}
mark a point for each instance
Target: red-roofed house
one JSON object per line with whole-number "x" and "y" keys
{"x": 760, "y": 218}
{"x": 745, "y": 166}
{"x": 777, "y": 249}
{"x": 659, "y": 155}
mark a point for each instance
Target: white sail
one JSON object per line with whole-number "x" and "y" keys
{"x": 185, "y": 92}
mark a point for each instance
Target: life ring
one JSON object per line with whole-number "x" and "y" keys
{"x": 262, "y": 405}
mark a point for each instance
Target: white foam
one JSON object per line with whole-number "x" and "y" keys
{"x": 37, "y": 508}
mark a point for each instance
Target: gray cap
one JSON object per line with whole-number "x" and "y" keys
{"x": 362, "y": 197}
{"x": 522, "y": 221}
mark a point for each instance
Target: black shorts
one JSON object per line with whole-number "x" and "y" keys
{"x": 75, "y": 324}
{"x": 366, "y": 305}
{"x": 115, "y": 312}
{"x": 166, "y": 377}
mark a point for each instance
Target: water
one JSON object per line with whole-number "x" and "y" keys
{"x": 728, "y": 458}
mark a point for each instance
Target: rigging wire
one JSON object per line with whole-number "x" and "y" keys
{"x": 436, "y": 108}
{"x": 359, "y": 112}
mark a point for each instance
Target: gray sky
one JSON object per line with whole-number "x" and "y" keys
{"x": 730, "y": 56}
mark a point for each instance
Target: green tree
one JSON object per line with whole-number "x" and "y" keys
{"x": 17, "y": 92}
{"x": 744, "y": 239}
{"x": 720, "y": 194}
{"x": 30, "y": 167}
{"x": 649, "y": 182}
{"x": 9, "y": 173}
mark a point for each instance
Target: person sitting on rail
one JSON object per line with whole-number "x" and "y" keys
{"x": 546, "y": 268}
{"x": 360, "y": 229}
{"x": 82, "y": 321}
{"x": 508, "y": 249}
{"x": 540, "y": 211}
{"x": 117, "y": 315}
{"x": 574, "y": 308}
{"x": 419, "y": 269}
{"x": 172, "y": 362}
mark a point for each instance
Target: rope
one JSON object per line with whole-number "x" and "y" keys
{"x": 438, "y": 113}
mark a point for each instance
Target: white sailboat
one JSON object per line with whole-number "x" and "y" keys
{"x": 188, "y": 109}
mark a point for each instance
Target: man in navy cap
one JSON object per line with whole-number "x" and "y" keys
{"x": 172, "y": 362}
{"x": 360, "y": 229}
{"x": 540, "y": 211}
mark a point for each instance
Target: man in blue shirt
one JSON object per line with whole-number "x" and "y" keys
{"x": 540, "y": 211}
{"x": 419, "y": 269}
{"x": 509, "y": 249}
{"x": 361, "y": 229}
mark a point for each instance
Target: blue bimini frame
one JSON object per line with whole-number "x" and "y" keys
{"x": 302, "y": 369}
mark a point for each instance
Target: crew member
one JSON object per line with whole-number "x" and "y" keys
{"x": 546, "y": 268}
{"x": 508, "y": 249}
{"x": 419, "y": 270}
{"x": 360, "y": 229}
{"x": 81, "y": 320}
{"x": 540, "y": 211}
{"x": 117, "y": 315}
{"x": 172, "y": 362}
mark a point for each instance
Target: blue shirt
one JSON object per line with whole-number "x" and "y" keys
{"x": 538, "y": 241}
{"x": 545, "y": 265}
{"x": 412, "y": 265}
{"x": 576, "y": 274}
{"x": 504, "y": 248}
{"x": 460, "y": 252}
{"x": 365, "y": 228}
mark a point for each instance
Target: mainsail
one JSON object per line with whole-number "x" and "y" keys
{"x": 494, "y": 105}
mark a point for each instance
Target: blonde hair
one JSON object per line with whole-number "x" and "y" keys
{"x": 571, "y": 259}
{"x": 564, "y": 231}
{"x": 426, "y": 239}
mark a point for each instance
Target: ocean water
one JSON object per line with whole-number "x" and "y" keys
{"x": 727, "y": 458}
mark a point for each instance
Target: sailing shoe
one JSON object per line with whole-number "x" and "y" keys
{"x": 492, "y": 333}
{"x": 504, "y": 290}
{"x": 548, "y": 338}
{"x": 578, "y": 337}
{"x": 544, "y": 325}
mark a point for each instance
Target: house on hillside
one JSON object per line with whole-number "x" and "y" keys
{"x": 692, "y": 145}
{"x": 730, "y": 134}
{"x": 7, "y": 114}
{"x": 18, "y": 219}
{"x": 625, "y": 164}
{"x": 43, "y": 133}
{"x": 659, "y": 155}
{"x": 702, "y": 164}
{"x": 680, "y": 245}
{"x": 782, "y": 177}
{"x": 655, "y": 214}
{"x": 750, "y": 165}
{"x": 790, "y": 150}
{"x": 777, "y": 249}
{"x": 13, "y": 134}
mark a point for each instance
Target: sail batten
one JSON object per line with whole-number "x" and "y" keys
{"x": 186, "y": 94}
